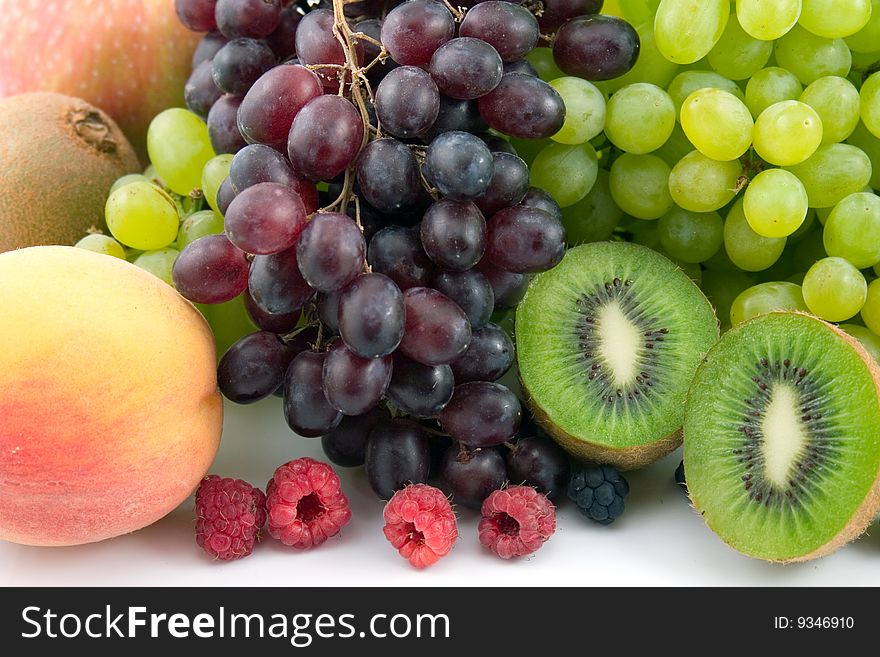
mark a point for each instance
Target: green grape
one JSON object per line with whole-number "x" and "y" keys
{"x": 746, "y": 249}
{"x": 767, "y": 20}
{"x": 836, "y": 101}
{"x": 765, "y": 298}
{"x": 775, "y": 203}
{"x": 835, "y": 18}
{"x": 868, "y": 38}
{"x": 810, "y": 57}
{"x": 594, "y": 217}
{"x": 566, "y": 172}
{"x": 229, "y": 321}
{"x": 769, "y": 86}
{"x": 690, "y": 236}
{"x": 808, "y": 251}
{"x": 151, "y": 175}
{"x": 635, "y": 11}
{"x": 834, "y": 289}
{"x": 722, "y": 288}
{"x": 198, "y": 225}
{"x": 687, "y": 82}
{"x": 686, "y": 30}
{"x": 782, "y": 268}
{"x": 584, "y": 110}
{"x": 179, "y": 148}
{"x": 805, "y": 227}
{"x": 103, "y": 244}
{"x": 717, "y": 123}
{"x": 787, "y": 133}
{"x": 738, "y": 55}
{"x": 646, "y": 234}
{"x": 871, "y": 308}
{"x": 142, "y": 216}
{"x": 640, "y": 185}
{"x": 852, "y": 230}
{"x": 870, "y": 96}
{"x": 868, "y": 339}
{"x": 651, "y": 66}
{"x": 675, "y": 148}
{"x": 215, "y": 172}
{"x": 528, "y": 149}
{"x": 870, "y": 146}
{"x": 699, "y": 184}
{"x": 542, "y": 60}
{"x": 159, "y": 263}
{"x": 721, "y": 262}
{"x": 822, "y": 214}
{"x": 128, "y": 179}
{"x": 639, "y": 118}
{"x": 833, "y": 172}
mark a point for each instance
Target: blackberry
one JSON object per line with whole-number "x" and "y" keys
{"x": 679, "y": 477}
{"x": 599, "y": 492}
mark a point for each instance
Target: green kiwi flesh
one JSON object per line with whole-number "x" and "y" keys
{"x": 782, "y": 438}
{"x": 607, "y": 345}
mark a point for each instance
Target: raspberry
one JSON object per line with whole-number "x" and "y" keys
{"x": 229, "y": 516}
{"x": 516, "y": 521}
{"x": 599, "y": 492}
{"x": 420, "y": 524}
{"x": 305, "y": 503}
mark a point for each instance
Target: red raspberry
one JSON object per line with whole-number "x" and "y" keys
{"x": 306, "y": 504}
{"x": 516, "y": 521}
{"x": 229, "y": 516}
{"x": 419, "y": 522}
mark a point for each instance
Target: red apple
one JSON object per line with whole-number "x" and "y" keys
{"x": 131, "y": 58}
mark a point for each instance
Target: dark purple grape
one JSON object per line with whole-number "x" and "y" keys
{"x": 346, "y": 444}
{"x": 540, "y": 200}
{"x": 200, "y": 92}
{"x": 196, "y": 15}
{"x": 273, "y": 101}
{"x": 397, "y": 252}
{"x": 265, "y": 218}
{"x": 596, "y": 47}
{"x": 331, "y": 251}
{"x": 512, "y": 30}
{"x": 253, "y": 368}
{"x": 211, "y": 269}
{"x": 523, "y": 106}
{"x": 306, "y": 408}
{"x": 497, "y": 144}
{"x": 209, "y": 45}
{"x": 540, "y": 463}
{"x": 372, "y": 315}
{"x": 418, "y": 390}
{"x": 525, "y": 240}
{"x": 397, "y": 455}
{"x": 371, "y": 221}
{"x": 455, "y": 114}
{"x": 407, "y": 102}
{"x": 470, "y": 290}
{"x": 372, "y": 27}
{"x": 223, "y": 125}
{"x": 437, "y": 330}
{"x": 225, "y": 195}
{"x": 414, "y": 30}
{"x": 521, "y": 66}
{"x": 248, "y": 18}
{"x": 556, "y": 12}
{"x": 283, "y": 40}
{"x": 453, "y": 234}
{"x": 488, "y": 357}
{"x": 438, "y": 446}
{"x": 388, "y": 175}
{"x": 305, "y": 339}
{"x": 459, "y": 165}
{"x": 327, "y": 305}
{"x": 267, "y": 321}
{"x": 316, "y": 44}
{"x": 466, "y": 68}
{"x": 481, "y": 414}
{"x": 354, "y": 384}
{"x": 325, "y": 137}
{"x": 509, "y": 287}
{"x": 470, "y": 476}
{"x": 257, "y": 164}
{"x": 239, "y": 64}
{"x": 509, "y": 184}
{"x": 276, "y": 284}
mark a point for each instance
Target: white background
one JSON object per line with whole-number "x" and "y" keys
{"x": 660, "y": 540}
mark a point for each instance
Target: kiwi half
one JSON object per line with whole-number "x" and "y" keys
{"x": 782, "y": 438}
{"x": 607, "y": 343}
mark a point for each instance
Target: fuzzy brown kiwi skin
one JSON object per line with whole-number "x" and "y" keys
{"x": 870, "y": 507}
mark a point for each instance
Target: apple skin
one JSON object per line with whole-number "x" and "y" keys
{"x": 131, "y": 58}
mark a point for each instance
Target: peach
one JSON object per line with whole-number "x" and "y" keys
{"x": 109, "y": 408}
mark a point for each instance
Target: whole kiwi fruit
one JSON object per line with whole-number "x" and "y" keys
{"x": 59, "y": 155}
